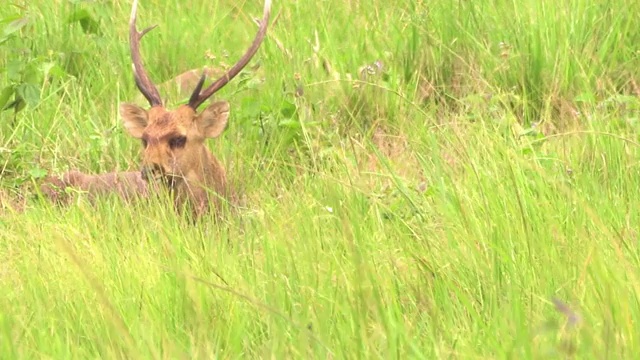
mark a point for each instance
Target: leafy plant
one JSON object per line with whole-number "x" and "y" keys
{"x": 88, "y": 22}
{"x": 21, "y": 92}
{"x": 30, "y": 70}
{"x": 25, "y": 73}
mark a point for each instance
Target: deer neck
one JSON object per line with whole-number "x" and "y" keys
{"x": 207, "y": 172}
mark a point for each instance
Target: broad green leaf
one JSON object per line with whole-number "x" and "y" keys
{"x": 37, "y": 173}
{"x": 17, "y": 105}
{"x": 288, "y": 109}
{"x": 30, "y": 93}
{"x": 31, "y": 74}
{"x": 15, "y": 26}
{"x": 87, "y": 22}
{"x": 14, "y": 70}
{"x": 9, "y": 19}
{"x": 5, "y": 95}
{"x": 78, "y": 15}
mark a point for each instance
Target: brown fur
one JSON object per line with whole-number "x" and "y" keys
{"x": 128, "y": 185}
{"x": 191, "y": 170}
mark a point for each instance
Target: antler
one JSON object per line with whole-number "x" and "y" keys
{"x": 197, "y": 98}
{"x": 145, "y": 85}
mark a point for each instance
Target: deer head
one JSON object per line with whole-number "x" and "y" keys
{"x": 174, "y": 139}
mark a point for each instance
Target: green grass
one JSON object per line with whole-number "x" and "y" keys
{"x": 436, "y": 210}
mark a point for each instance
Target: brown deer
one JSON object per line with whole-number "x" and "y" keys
{"x": 175, "y": 154}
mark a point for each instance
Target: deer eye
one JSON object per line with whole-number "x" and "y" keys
{"x": 144, "y": 143}
{"x": 177, "y": 142}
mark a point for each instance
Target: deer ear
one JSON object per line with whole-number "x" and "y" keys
{"x": 134, "y": 118}
{"x": 213, "y": 120}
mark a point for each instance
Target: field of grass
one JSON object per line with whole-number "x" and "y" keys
{"x": 421, "y": 179}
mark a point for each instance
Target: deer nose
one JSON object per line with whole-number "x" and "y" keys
{"x": 150, "y": 171}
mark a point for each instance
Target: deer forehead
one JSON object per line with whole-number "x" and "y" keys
{"x": 156, "y": 134}
{"x": 163, "y": 123}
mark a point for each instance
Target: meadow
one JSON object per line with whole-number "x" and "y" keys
{"x": 420, "y": 180}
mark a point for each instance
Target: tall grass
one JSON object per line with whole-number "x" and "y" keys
{"x": 470, "y": 195}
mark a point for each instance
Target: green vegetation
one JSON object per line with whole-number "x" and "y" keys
{"x": 471, "y": 194}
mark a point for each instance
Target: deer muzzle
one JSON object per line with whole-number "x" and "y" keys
{"x": 155, "y": 173}
{"x": 151, "y": 172}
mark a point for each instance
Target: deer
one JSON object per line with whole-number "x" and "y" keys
{"x": 174, "y": 153}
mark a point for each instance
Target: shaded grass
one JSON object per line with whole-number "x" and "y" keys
{"x": 506, "y": 179}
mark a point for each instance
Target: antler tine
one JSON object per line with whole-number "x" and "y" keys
{"x": 143, "y": 82}
{"x": 196, "y": 92}
{"x": 197, "y": 98}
